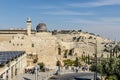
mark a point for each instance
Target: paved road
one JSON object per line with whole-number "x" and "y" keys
{"x": 72, "y": 76}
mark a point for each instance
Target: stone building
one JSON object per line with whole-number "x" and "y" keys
{"x": 11, "y": 64}
{"x": 42, "y": 44}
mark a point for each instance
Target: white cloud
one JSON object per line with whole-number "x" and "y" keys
{"x": 66, "y": 12}
{"x": 107, "y": 26}
{"x": 102, "y": 20}
{"x": 111, "y": 19}
{"x": 45, "y": 7}
{"x": 96, "y": 4}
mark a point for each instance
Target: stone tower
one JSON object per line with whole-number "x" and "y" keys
{"x": 28, "y": 26}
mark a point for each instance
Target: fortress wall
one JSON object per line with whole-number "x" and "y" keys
{"x": 5, "y": 37}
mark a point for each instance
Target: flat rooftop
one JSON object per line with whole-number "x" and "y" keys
{"x": 7, "y": 56}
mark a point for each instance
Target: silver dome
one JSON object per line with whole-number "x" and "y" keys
{"x": 41, "y": 27}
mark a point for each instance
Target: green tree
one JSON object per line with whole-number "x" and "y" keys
{"x": 117, "y": 68}
{"x": 76, "y": 62}
{"x": 88, "y": 59}
{"x": 109, "y": 68}
{"x": 41, "y": 65}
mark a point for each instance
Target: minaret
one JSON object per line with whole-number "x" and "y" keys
{"x": 28, "y": 26}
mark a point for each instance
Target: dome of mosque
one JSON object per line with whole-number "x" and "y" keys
{"x": 41, "y": 27}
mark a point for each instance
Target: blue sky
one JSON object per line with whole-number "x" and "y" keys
{"x": 97, "y": 16}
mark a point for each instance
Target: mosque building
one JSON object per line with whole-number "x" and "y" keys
{"x": 40, "y": 45}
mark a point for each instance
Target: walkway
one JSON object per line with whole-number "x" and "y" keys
{"x": 41, "y": 75}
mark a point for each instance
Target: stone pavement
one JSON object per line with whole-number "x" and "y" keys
{"x": 41, "y": 76}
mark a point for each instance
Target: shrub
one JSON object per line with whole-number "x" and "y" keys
{"x": 68, "y": 62}
{"x": 41, "y": 65}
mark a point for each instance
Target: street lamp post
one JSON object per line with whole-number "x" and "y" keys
{"x": 36, "y": 72}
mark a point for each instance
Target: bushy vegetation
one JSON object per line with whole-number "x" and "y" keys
{"x": 68, "y": 62}
{"x": 91, "y": 33}
{"x": 75, "y": 62}
{"x": 41, "y": 65}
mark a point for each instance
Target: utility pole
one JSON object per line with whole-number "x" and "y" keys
{"x": 95, "y": 73}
